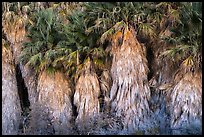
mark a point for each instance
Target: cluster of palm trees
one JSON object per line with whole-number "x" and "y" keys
{"x": 135, "y": 42}
{"x": 53, "y": 39}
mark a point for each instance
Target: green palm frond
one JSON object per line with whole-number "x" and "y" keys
{"x": 175, "y": 16}
{"x": 40, "y": 51}
{"x": 187, "y": 34}
{"x": 24, "y": 58}
{"x": 35, "y": 60}
{"x": 63, "y": 51}
{"x": 71, "y": 63}
{"x": 180, "y": 52}
{"x": 99, "y": 63}
{"x": 43, "y": 65}
{"x": 50, "y": 70}
{"x": 108, "y": 34}
{"x": 58, "y": 60}
{"x": 87, "y": 31}
{"x": 188, "y": 61}
{"x": 44, "y": 22}
{"x": 67, "y": 61}
{"x": 98, "y": 52}
{"x": 169, "y": 52}
{"x": 147, "y": 30}
{"x": 169, "y": 40}
{"x": 72, "y": 56}
{"x": 50, "y": 55}
{"x": 154, "y": 17}
{"x": 86, "y": 49}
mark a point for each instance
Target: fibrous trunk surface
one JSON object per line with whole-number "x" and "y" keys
{"x": 186, "y": 103}
{"x": 53, "y": 105}
{"x": 105, "y": 84}
{"x": 130, "y": 91}
{"x": 11, "y": 109}
{"x": 86, "y": 96}
{"x": 161, "y": 74}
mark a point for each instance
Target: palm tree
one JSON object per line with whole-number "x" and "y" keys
{"x": 185, "y": 97}
{"x": 164, "y": 16}
{"x": 117, "y": 22}
{"x": 15, "y": 35}
{"x": 123, "y": 96}
{"x": 66, "y": 47}
{"x": 55, "y": 46}
{"x": 39, "y": 54}
{"x": 115, "y": 47}
{"x": 86, "y": 96}
{"x": 11, "y": 109}
{"x": 82, "y": 64}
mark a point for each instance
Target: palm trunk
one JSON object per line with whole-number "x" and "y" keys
{"x": 130, "y": 91}
{"x": 11, "y": 109}
{"x": 30, "y": 79}
{"x": 53, "y": 107}
{"x": 86, "y": 96}
{"x": 16, "y": 36}
{"x": 105, "y": 84}
{"x": 161, "y": 74}
{"x": 186, "y": 103}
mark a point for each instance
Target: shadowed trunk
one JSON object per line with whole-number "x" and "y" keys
{"x": 130, "y": 91}
{"x": 186, "y": 103}
{"x": 16, "y": 36}
{"x": 161, "y": 74}
{"x": 86, "y": 96}
{"x": 30, "y": 79}
{"x": 28, "y": 74}
{"x": 162, "y": 68}
{"x": 11, "y": 109}
{"x": 160, "y": 77}
{"x": 105, "y": 84}
{"x": 53, "y": 109}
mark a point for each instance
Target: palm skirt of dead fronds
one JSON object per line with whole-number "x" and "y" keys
{"x": 14, "y": 28}
{"x": 86, "y": 95}
{"x": 53, "y": 105}
{"x": 130, "y": 92}
{"x": 186, "y": 103}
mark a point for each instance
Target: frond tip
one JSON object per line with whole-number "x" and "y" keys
{"x": 188, "y": 62}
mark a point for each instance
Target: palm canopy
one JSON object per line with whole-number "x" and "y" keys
{"x": 187, "y": 37}
{"x": 44, "y": 37}
{"x": 146, "y": 17}
{"x": 56, "y": 43}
